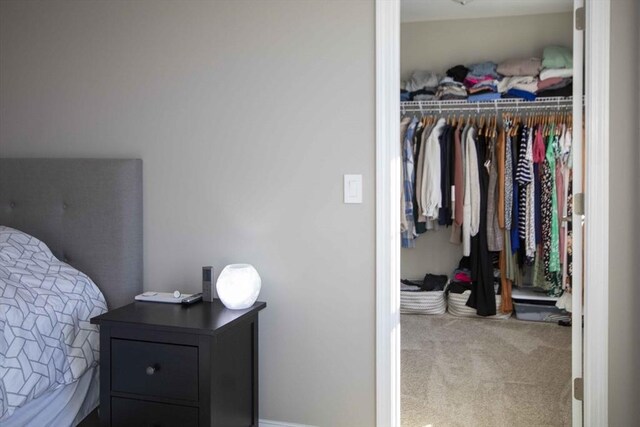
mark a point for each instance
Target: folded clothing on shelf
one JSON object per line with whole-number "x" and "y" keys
{"x": 421, "y": 86}
{"x": 522, "y": 94}
{"x": 548, "y": 73}
{"x": 421, "y": 79}
{"x": 557, "y": 57}
{"x": 526, "y": 83}
{"x": 458, "y": 73}
{"x": 563, "y": 91}
{"x": 471, "y": 81}
{"x": 449, "y": 89}
{"x": 559, "y": 85}
{"x": 520, "y": 67}
{"x": 553, "y": 83}
{"x": 483, "y": 69}
{"x": 427, "y": 94}
{"x": 484, "y": 97}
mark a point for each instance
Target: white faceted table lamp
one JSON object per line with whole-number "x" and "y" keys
{"x": 238, "y": 286}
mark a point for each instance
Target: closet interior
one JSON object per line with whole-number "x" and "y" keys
{"x": 486, "y": 136}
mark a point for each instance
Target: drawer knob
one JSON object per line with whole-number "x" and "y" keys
{"x": 151, "y": 369}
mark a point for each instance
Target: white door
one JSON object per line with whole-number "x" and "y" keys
{"x": 578, "y": 202}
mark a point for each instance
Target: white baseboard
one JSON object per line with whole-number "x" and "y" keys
{"x": 271, "y": 423}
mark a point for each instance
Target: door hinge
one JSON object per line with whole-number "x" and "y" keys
{"x": 580, "y": 18}
{"x": 578, "y": 203}
{"x": 578, "y": 389}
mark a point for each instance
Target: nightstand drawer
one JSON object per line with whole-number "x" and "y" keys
{"x": 154, "y": 369}
{"x": 137, "y": 413}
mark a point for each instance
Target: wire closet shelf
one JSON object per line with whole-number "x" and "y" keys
{"x": 497, "y": 105}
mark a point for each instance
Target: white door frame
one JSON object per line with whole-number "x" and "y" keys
{"x": 388, "y": 167}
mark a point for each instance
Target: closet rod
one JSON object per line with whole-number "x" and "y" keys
{"x": 496, "y": 105}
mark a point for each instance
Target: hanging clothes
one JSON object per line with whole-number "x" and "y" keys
{"x": 417, "y": 145}
{"x": 530, "y": 237}
{"x": 495, "y": 239}
{"x": 444, "y": 212}
{"x": 504, "y": 189}
{"x": 431, "y": 197}
{"x": 471, "y": 207}
{"x": 524, "y": 177}
{"x": 508, "y": 178}
{"x": 550, "y": 238}
{"x": 506, "y": 305}
{"x": 420, "y": 173}
{"x": 554, "y": 255}
{"x": 483, "y": 297}
{"x": 409, "y": 232}
{"x": 458, "y": 185}
{"x": 404, "y": 125}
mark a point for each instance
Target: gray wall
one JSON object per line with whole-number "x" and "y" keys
{"x": 624, "y": 238}
{"x": 246, "y": 115}
{"x": 439, "y": 45}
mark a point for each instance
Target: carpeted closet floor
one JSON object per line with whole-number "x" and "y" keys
{"x": 478, "y": 372}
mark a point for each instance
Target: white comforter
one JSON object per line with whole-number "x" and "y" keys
{"x": 46, "y": 340}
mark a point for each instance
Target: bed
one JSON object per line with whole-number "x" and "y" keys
{"x": 88, "y": 214}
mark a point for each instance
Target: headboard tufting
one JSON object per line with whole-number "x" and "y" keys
{"x": 88, "y": 211}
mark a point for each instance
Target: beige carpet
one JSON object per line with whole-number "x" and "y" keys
{"x": 481, "y": 373}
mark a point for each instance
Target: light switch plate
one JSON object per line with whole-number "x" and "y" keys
{"x": 353, "y": 188}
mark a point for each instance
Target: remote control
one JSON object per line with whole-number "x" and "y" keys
{"x": 192, "y": 299}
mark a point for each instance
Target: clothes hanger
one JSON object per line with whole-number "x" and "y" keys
{"x": 516, "y": 127}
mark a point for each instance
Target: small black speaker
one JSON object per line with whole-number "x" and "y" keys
{"x": 208, "y": 287}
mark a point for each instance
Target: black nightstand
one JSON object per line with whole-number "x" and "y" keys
{"x": 174, "y": 365}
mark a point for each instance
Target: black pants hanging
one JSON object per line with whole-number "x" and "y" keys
{"x": 483, "y": 297}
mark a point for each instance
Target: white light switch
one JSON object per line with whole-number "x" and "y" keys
{"x": 353, "y": 188}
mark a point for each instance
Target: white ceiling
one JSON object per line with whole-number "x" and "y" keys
{"x": 435, "y": 10}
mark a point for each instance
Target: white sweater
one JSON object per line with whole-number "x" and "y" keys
{"x": 471, "y": 205}
{"x": 431, "y": 194}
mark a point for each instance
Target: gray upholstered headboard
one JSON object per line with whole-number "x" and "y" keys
{"x": 88, "y": 211}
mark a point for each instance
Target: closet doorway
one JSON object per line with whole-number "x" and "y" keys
{"x": 453, "y": 362}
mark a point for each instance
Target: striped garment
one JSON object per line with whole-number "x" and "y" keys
{"x": 530, "y": 209}
{"x": 524, "y": 176}
{"x": 508, "y": 178}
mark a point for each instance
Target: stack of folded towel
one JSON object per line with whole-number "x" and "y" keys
{"x": 423, "y": 296}
{"x": 556, "y": 78}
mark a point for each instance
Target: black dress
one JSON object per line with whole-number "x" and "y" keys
{"x": 446, "y": 156}
{"x": 421, "y": 227}
{"x": 483, "y": 296}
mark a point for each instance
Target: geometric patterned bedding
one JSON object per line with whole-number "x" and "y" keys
{"x": 46, "y": 340}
